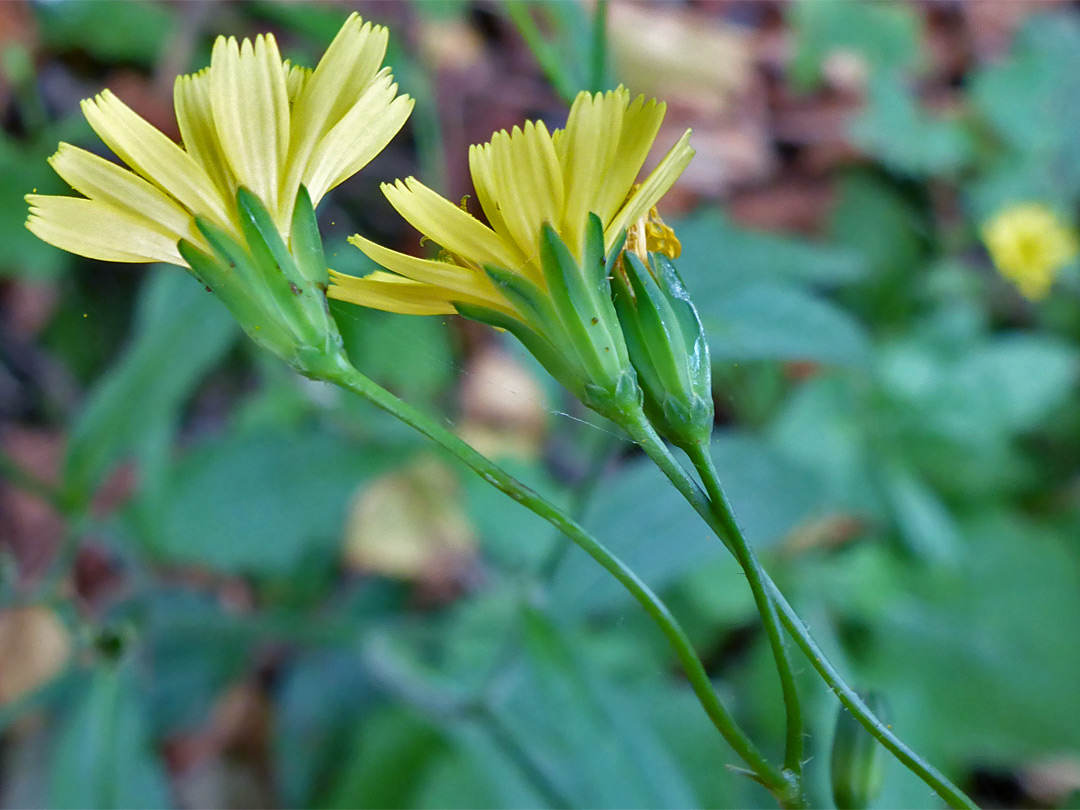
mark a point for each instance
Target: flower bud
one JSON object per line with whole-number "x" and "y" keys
{"x": 858, "y": 760}
{"x": 667, "y": 347}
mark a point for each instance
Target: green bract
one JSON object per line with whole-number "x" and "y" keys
{"x": 667, "y": 347}
{"x": 571, "y": 328}
{"x": 275, "y": 291}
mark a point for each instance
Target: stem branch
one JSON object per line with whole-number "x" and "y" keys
{"x": 952, "y": 795}
{"x": 777, "y": 781}
{"x": 721, "y": 509}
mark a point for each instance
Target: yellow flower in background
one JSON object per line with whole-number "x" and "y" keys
{"x": 1029, "y": 244}
{"x": 525, "y": 179}
{"x": 249, "y": 120}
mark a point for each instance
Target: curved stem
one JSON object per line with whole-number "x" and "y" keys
{"x": 952, "y": 795}
{"x": 778, "y": 782}
{"x": 850, "y": 699}
{"x": 721, "y": 509}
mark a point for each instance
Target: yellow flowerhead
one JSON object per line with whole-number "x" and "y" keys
{"x": 524, "y": 180}
{"x": 1029, "y": 245}
{"x": 556, "y": 204}
{"x": 249, "y": 120}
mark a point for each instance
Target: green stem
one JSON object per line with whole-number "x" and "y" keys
{"x": 721, "y": 509}
{"x": 952, "y": 795}
{"x": 545, "y": 55}
{"x": 850, "y": 699}
{"x": 598, "y": 60}
{"x": 768, "y": 774}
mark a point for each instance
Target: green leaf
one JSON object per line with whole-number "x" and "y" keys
{"x": 979, "y": 662}
{"x": 180, "y": 333}
{"x": 884, "y": 36}
{"x": 585, "y": 735}
{"x": 1028, "y": 101}
{"x": 904, "y": 137}
{"x": 719, "y": 256}
{"x": 821, "y": 428}
{"x": 999, "y": 386}
{"x": 889, "y": 233}
{"x": 24, "y": 170}
{"x": 922, "y": 518}
{"x": 259, "y": 504}
{"x": 198, "y": 649}
{"x": 322, "y": 702}
{"x": 477, "y": 772}
{"x": 387, "y": 763}
{"x": 1030, "y": 375}
{"x": 511, "y": 535}
{"x": 879, "y": 224}
{"x": 135, "y": 31}
{"x": 778, "y": 322}
{"x": 104, "y": 758}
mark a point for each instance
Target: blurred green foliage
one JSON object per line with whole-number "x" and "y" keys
{"x": 900, "y": 439}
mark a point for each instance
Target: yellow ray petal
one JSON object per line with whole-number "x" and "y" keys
{"x": 100, "y": 231}
{"x": 585, "y": 150}
{"x": 447, "y": 225}
{"x": 483, "y": 170}
{"x": 296, "y": 79}
{"x": 106, "y": 182}
{"x": 359, "y": 136}
{"x": 451, "y": 277}
{"x": 654, "y": 187}
{"x": 150, "y": 153}
{"x": 349, "y": 65}
{"x": 528, "y": 183}
{"x": 251, "y": 112}
{"x": 390, "y": 293}
{"x": 640, "y": 125}
{"x": 191, "y": 98}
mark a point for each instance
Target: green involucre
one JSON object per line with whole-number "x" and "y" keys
{"x": 667, "y": 347}
{"x": 272, "y": 291}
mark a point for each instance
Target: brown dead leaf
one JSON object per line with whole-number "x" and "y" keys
{"x": 827, "y": 532}
{"x": 34, "y": 647}
{"x": 1051, "y": 781}
{"x": 502, "y": 406}
{"x": 449, "y": 44}
{"x": 29, "y": 305}
{"x": 147, "y": 100}
{"x": 661, "y": 49}
{"x": 791, "y": 205}
{"x": 410, "y": 524}
{"x": 226, "y": 762}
